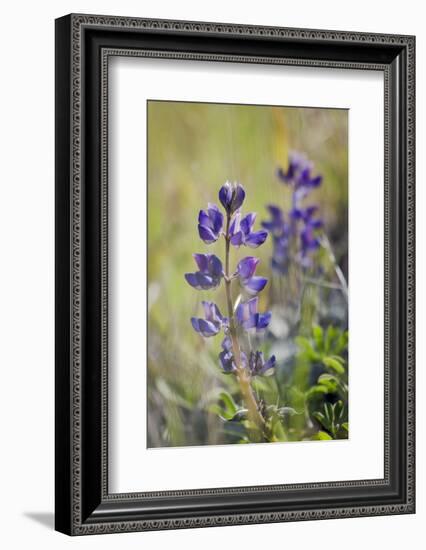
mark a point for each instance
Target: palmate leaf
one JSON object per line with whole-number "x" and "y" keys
{"x": 331, "y": 418}
{"x": 329, "y": 381}
{"x": 335, "y": 363}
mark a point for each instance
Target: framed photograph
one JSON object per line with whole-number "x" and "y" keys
{"x": 234, "y": 274}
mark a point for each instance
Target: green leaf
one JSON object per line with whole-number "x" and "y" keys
{"x": 333, "y": 363}
{"x": 345, "y": 426}
{"x": 319, "y": 416}
{"x": 316, "y": 390}
{"x": 287, "y": 411}
{"x": 230, "y": 406}
{"x": 321, "y": 436}
{"x": 318, "y": 337}
{"x": 306, "y": 347}
{"x": 239, "y": 415}
{"x": 329, "y": 381}
{"x": 342, "y": 342}
{"x": 330, "y": 335}
{"x": 338, "y": 408}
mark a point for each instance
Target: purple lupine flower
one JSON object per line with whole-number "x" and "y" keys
{"x": 213, "y": 322}
{"x": 258, "y": 365}
{"x": 210, "y": 223}
{"x": 280, "y": 260}
{"x": 226, "y": 357}
{"x": 301, "y": 224}
{"x": 281, "y": 232}
{"x": 277, "y": 222}
{"x": 231, "y": 195}
{"x": 306, "y": 215}
{"x": 241, "y": 232}
{"x": 210, "y": 272}
{"x": 308, "y": 241}
{"x": 245, "y": 271}
{"x": 299, "y": 177}
{"x": 249, "y": 318}
{"x": 298, "y": 174}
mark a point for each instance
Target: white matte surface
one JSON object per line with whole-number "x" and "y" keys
{"x": 132, "y": 466}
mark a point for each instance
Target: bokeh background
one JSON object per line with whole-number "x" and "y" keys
{"x": 193, "y": 148}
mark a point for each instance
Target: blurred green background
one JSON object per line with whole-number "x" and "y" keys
{"x": 193, "y": 148}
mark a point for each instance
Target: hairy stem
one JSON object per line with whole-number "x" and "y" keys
{"x": 241, "y": 374}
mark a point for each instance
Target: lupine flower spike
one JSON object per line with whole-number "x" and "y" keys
{"x": 300, "y": 226}
{"x": 236, "y": 230}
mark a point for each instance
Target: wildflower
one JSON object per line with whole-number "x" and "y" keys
{"x": 241, "y": 232}
{"x": 306, "y": 215}
{"x": 232, "y": 195}
{"x": 226, "y": 357}
{"x": 245, "y": 271}
{"x": 277, "y": 222}
{"x": 280, "y": 231}
{"x": 210, "y": 223}
{"x": 209, "y": 274}
{"x": 213, "y": 322}
{"x": 298, "y": 174}
{"x": 258, "y": 365}
{"x": 249, "y": 318}
{"x": 308, "y": 241}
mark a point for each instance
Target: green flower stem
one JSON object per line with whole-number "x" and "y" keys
{"x": 242, "y": 376}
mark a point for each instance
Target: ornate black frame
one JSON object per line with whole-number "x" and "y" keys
{"x": 83, "y": 46}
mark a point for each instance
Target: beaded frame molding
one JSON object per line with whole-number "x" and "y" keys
{"x": 84, "y": 44}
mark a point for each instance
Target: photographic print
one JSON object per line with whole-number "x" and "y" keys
{"x": 247, "y": 274}
{"x": 214, "y": 207}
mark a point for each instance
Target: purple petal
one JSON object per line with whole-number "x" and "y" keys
{"x": 246, "y": 310}
{"x": 216, "y": 218}
{"x": 206, "y": 328}
{"x": 316, "y": 182}
{"x": 256, "y": 239}
{"x": 310, "y": 211}
{"x": 195, "y": 324}
{"x": 192, "y": 279}
{"x": 227, "y": 344}
{"x": 263, "y": 320}
{"x": 296, "y": 213}
{"x": 275, "y": 211}
{"x": 316, "y": 224}
{"x": 204, "y": 219}
{"x": 215, "y": 266}
{"x": 201, "y": 281}
{"x": 247, "y": 266}
{"x": 225, "y": 195}
{"x": 254, "y": 284}
{"x": 238, "y": 198}
{"x": 227, "y": 362}
{"x": 202, "y": 261}
{"x": 283, "y": 176}
{"x": 237, "y": 239}
{"x": 212, "y": 313}
{"x": 206, "y": 234}
{"x": 235, "y": 224}
{"x": 247, "y": 222}
{"x": 270, "y": 364}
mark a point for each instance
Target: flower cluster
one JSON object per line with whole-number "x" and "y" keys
{"x": 236, "y": 230}
{"x": 295, "y": 235}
